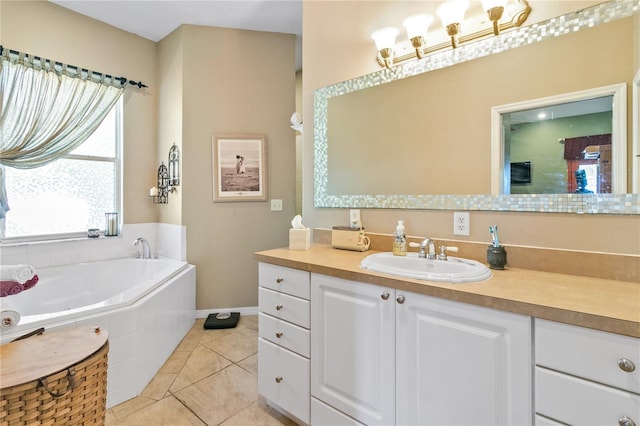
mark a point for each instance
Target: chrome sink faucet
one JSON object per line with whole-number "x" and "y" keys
{"x": 427, "y": 243}
{"x": 146, "y": 250}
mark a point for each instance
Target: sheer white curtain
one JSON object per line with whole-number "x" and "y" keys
{"x": 47, "y": 112}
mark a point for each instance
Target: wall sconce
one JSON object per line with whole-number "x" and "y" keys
{"x": 174, "y": 166}
{"x": 504, "y": 15}
{"x": 167, "y": 178}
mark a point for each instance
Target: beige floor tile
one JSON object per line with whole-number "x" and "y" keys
{"x": 234, "y": 344}
{"x": 258, "y": 414}
{"x": 202, "y": 363}
{"x": 221, "y": 395}
{"x": 175, "y": 362}
{"x": 248, "y": 321}
{"x": 159, "y": 386}
{"x": 250, "y": 364}
{"x": 168, "y": 411}
{"x": 130, "y": 406}
{"x": 191, "y": 340}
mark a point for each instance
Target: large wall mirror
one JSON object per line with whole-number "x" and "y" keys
{"x": 420, "y": 136}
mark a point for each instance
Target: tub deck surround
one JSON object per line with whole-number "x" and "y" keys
{"x": 597, "y": 303}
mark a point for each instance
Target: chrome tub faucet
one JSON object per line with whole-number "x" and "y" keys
{"x": 146, "y": 250}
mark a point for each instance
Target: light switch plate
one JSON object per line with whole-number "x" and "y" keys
{"x": 276, "y": 205}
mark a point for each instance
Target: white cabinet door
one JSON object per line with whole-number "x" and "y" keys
{"x": 461, "y": 364}
{"x": 353, "y": 348}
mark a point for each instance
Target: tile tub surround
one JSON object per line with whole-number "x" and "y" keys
{"x": 597, "y": 303}
{"x": 580, "y": 263}
{"x": 168, "y": 240}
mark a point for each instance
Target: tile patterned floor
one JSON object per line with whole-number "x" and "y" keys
{"x": 210, "y": 379}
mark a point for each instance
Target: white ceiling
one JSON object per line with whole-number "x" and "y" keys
{"x": 155, "y": 19}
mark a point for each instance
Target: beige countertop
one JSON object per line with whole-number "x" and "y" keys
{"x": 596, "y": 303}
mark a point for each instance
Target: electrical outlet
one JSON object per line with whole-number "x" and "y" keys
{"x": 461, "y": 224}
{"x": 276, "y": 205}
{"x": 354, "y": 218}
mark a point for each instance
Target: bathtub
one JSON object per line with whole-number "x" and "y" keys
{"x": 147, "y": 306}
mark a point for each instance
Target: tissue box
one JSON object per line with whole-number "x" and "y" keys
{"x": 299, "y": 239}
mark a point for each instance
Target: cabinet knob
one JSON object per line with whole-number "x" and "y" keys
{"x": 626, "y": 365}
{"x": 278, "y": 379}
{"x": 279, "y": 307}
{"x": 278, "y": 335}
{"x": 385, "y": 295}
{"x": 279, "y": 280}
{"x": 400, "y": 299}
{"x": 626, "y": 421}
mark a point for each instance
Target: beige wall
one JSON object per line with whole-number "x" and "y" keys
{"x": 346, "y": 52}
{"x": 231, "y": 82}
{"x": 44, "y": 29}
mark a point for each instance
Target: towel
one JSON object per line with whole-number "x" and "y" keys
{"x": 30, "y": 283}
{"x": 9, "y": 288}
{"x": 18, "y": 273}
{"x": 9, "y": 315}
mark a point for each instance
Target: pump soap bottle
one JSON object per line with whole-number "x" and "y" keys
{"x": 400, "y": 240}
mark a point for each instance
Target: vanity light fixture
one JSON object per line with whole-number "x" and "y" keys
{"x": 385, "y": 39}
{"x": 417, "y": 27}
{"x": 504, "y": 15}
{"x": 494, "y": 9}
{"x": 451, "y": 13}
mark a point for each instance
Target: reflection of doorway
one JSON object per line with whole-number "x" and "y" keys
{"x": 593, "y": 154}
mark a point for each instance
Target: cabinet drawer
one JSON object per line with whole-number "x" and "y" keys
{"x": 291, "y": 281}
{"x": 283, "y": 306}
{"x": 587, "y": 353}
{"x": 325, "y": 415}
{"x": 284, "y": 379}
{"x": 571, "y": 400}
{"x": 284, "y": 334}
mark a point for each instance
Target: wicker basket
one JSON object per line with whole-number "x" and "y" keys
{"x": 74, "y": 395}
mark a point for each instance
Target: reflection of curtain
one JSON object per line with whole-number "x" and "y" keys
{"x": 47, "y": 112}
{"x": 574, "y": 147}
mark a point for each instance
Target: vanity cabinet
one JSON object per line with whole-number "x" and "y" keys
{"x": 585, "y": 376}
{"x": 384, "y": 356}
{"x": 284, "y": 340}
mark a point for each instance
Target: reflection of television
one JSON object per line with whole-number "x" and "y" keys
{"x": 521, "y": 172}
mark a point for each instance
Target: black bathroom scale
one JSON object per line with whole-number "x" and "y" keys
{"x": 222, "y": 320}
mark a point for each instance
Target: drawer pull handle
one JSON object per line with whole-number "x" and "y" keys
{"x": 278, "y": 379}
{"x": 279, "y": 280}
{"x": 278, "y": 335}
{"x": 626, "y": 421}
{"x": 385, "y": 295}
{"x": 400, "y": 299}
{"x": 279, "y": 307}
{"x": 626, "y": 365}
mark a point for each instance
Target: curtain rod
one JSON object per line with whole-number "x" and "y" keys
{"x": 122, "y": 80}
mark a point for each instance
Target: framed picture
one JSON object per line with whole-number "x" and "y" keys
{"x": 239, "y": 168}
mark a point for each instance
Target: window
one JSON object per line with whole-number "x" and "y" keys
{"x": 65, "y": 198}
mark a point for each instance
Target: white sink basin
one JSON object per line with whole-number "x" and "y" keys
{"x": 453, "y": 270}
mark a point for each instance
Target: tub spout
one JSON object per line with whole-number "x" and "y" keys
{"x": 146, "y": 251}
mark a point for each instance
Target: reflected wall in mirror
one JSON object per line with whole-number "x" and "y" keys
{"x": 571, "y": 143}
{"x": 444, "y": 106}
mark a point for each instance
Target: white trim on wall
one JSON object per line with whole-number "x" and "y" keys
{"x": 618, "y": 131}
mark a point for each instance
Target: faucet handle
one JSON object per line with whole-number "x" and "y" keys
{"x": 443, "y": 251}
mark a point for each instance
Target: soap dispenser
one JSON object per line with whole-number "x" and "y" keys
{"x": 400, "y": 240}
